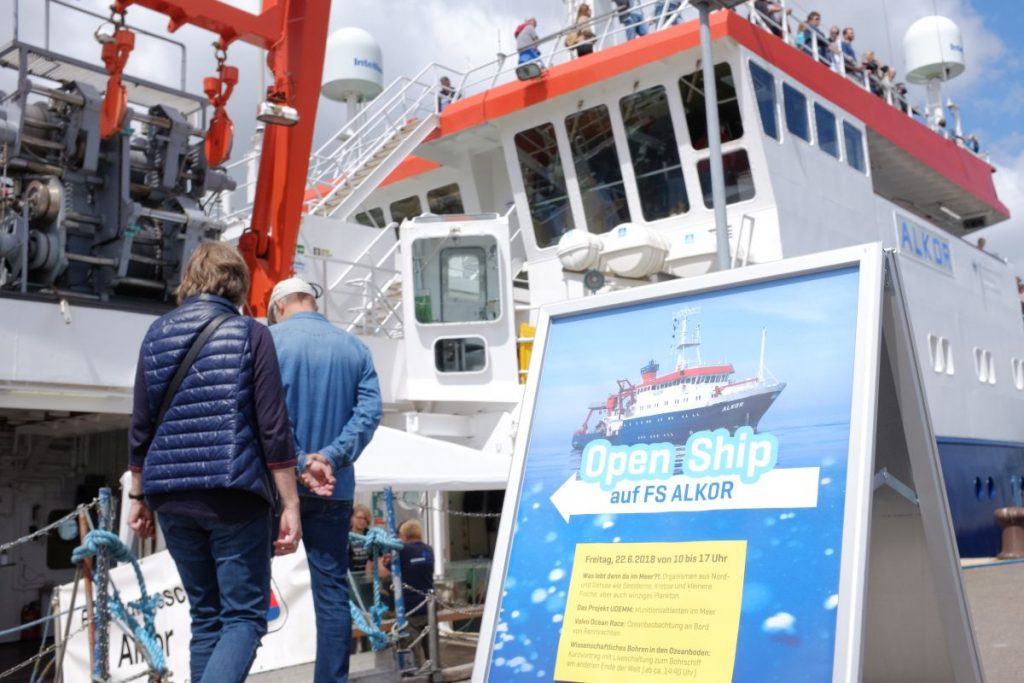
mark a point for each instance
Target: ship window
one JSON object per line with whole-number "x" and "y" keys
{"x": 544, "y": 183}
{"x": 795, "y": 104}
{"x": 655, "y": 156}
{"x": 767, "y": 104}
{"x": 692, "y": 89}
{"x": 456, "y": 279}
{"x": 984, "y": 366}
{"x": 409, "y": 207}
{"x": 854, "y": 147}
{"x": 374, "y": 218}
{"x": 445, "y": 199}
{"x": 464, "y": 354}
{"x": 828, "y": 138}
{"x": 1018, "y": 373}
{"x": 597, "y": 169}
{"x": 739, "y": 181}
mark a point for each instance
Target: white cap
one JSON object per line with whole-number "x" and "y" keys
{"x": 292, "y": 285}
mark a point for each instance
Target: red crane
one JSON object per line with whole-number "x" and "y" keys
{"x": 294, "y": 34}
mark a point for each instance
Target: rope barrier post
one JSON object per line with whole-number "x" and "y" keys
{"x": 433, "y": 645}
{"x": 396, "y": 564}
{"x": 83, "y": 531}
{"x": 101, "y": 664}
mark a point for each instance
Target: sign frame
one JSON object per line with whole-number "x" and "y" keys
{"x": 868, "y": 258}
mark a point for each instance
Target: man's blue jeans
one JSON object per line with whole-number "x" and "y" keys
{"x": 325, "y": 526}
{"x": 225, "y": 569}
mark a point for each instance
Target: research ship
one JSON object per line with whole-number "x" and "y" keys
{"x": 693, "y": 397}
{"x": 439, "y": 219}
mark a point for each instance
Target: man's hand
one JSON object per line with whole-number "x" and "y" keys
{"x": 290, "y": 531}
{"x": 318, "y": 476}
{"x": 140, "y": 519}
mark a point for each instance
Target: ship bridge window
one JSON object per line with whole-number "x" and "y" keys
{"x": 795, "y": 104}
{"x": 456, "y": 279}
{"x": 446, "y": 199}
{"x": 374, "y": 218}
{"x": 597, "y": 169}
{"x": 409, "y": 207}
{"x": 767, "y": 102}
{"x": 544, "y": 183}
{"x": 825, "y": 123}
{"x": 655, "y": 155}
{"x": 692, "y": 89}
{"x": 739, "y": 181}
{"x": 854, "y": 147}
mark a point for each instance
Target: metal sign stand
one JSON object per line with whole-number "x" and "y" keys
{"x": 916, "y": 622}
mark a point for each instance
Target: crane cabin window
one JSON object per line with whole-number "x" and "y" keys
{"x": 374, "y": 218}
{"x": 544, "y": 183}
{"x": 655, "y": 154}
{"x": 767, "y": 101}
{"x": 739, "y": 181}
{"x": 456, "y": 279}
{"x": 445, "y": 200}
{"x": 597, "y": 169}
{"x": 795, "y": 104}
{"x": 409, "y": 207}
{"x": 828, "y": 137}
{"x": 692, "y": 90}
{"x": 854, "y": 142}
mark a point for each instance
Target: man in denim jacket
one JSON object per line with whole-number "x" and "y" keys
{"x": 334, "y": 404}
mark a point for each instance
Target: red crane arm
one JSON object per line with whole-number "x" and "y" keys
{"x": 294, "y": 32}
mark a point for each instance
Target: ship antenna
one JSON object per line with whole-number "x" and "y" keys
{"x": 760, "y": 367}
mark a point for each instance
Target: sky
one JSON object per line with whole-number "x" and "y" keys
{"x": 463, "y": 33}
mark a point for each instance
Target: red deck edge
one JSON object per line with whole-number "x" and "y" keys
{"x": 943, "y": 156}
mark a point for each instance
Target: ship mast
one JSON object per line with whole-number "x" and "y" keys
{"x": 686, "y": 347}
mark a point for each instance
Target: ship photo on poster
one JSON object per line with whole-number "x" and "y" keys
{"x": 694, "y": 396}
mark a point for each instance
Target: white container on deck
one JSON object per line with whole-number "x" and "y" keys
{"x": 579, "y": 250}
{"x": 634, "y": 251}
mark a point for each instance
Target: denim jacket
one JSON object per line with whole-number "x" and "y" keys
{"x": 332, "y": 393}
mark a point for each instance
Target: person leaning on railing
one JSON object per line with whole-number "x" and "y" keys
{"x": 581, "y": 38}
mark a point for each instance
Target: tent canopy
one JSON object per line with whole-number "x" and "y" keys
{"x": 409, "y": 462}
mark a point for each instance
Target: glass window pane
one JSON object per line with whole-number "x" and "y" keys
{"x": 825, "y": 123}
{"x": 456, "y": 279}
{"x": 405, "y": 208}
{"x": 465, "y": 354}
{"x": 544, "y": 182}
{"x": 692, "y": 89}
{"x": 597, "y": 169}
{"x": 445, "y": 199}
{"x": 795, "y": 104}
{"x": 655, "y": 156}
{"x": 854, "y": 147}
{"x": 739, "y": 181}
{"x": 764, "y": 91}
{"x": 373, "y": 218}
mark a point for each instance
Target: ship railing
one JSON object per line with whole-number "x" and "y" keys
{"x": 831, "y": 55}
{"x": 608, "y": 28}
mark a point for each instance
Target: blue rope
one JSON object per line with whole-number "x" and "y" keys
{"x": 45, "y": 620}
{"x": 377, "y": 540}
{"x": 145, "y": 633}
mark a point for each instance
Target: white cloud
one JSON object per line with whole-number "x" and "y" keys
{"x": 1007, "y": 238}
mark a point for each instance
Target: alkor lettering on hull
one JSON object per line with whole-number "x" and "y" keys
{"x": 356, "y": 61}
{"x": 923, "y": 244}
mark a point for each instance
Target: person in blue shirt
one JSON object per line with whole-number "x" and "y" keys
{"x": 334, "y": 405}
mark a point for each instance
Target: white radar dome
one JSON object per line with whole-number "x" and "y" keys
{"x": 934, "y": 50}
{"x": 353, "y": 67}
{"x": 634, "y": 251}
{"x": 579, "y": 250}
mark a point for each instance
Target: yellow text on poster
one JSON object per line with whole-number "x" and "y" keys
{"x": 652, "y": 612}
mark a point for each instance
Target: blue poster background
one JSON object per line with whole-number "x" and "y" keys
{"x": 790, "y": 593}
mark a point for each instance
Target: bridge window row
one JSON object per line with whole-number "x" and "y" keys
{"x": 446, "y": 199}
{"x": 796, "y": 110}
{"x": 651, "y": 149}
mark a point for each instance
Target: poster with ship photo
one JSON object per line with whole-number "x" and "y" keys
{"x": 679, "y": 505}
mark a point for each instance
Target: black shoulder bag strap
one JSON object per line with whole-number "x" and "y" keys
{"x": 186, "y": 364}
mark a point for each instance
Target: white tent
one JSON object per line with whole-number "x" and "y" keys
{"x": 409, "y": 462}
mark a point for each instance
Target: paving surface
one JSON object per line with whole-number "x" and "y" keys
{"x": 995, "y": 593}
